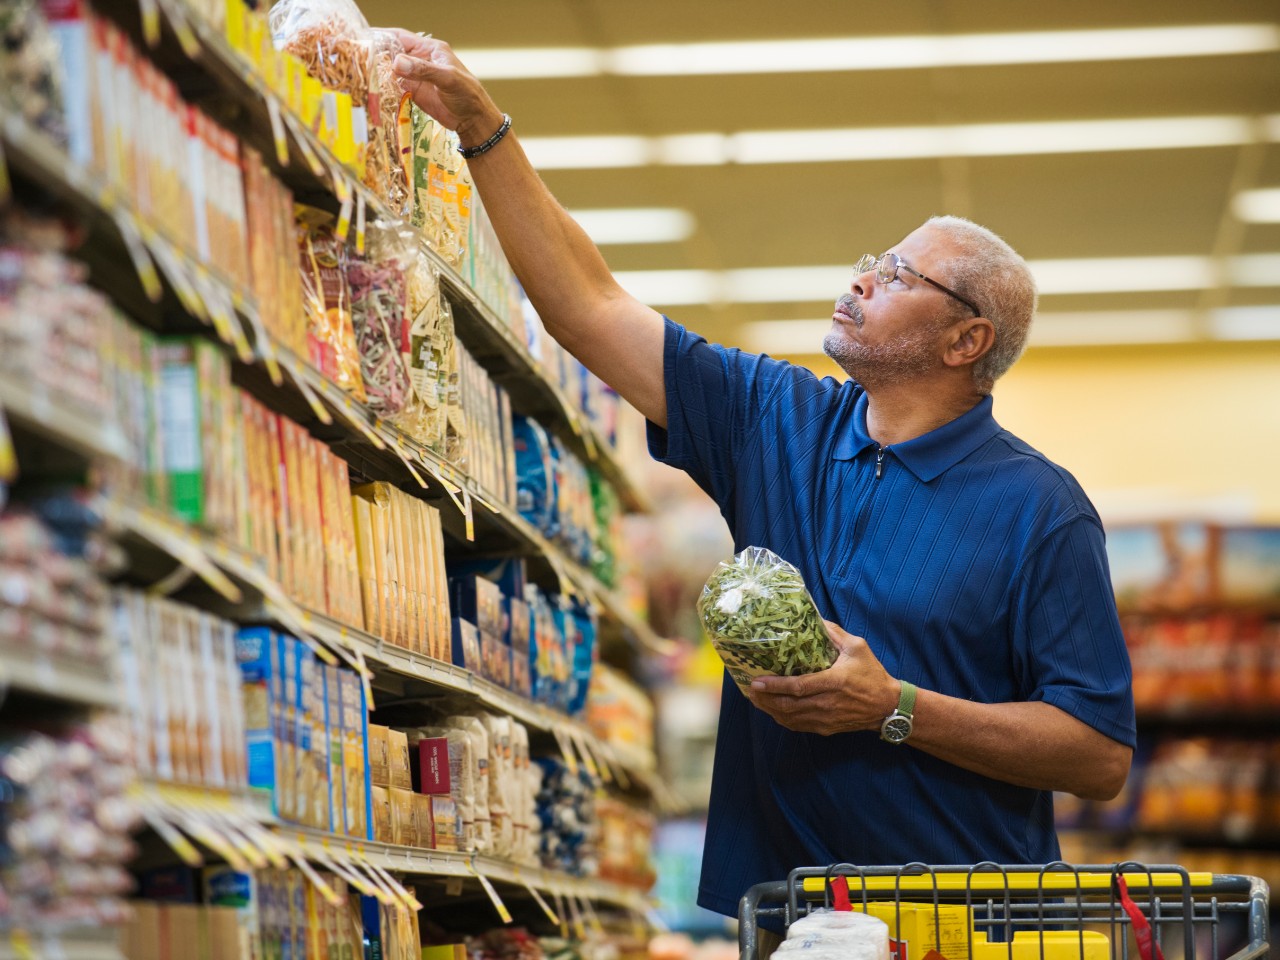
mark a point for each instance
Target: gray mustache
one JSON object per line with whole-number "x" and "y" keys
{"x": 854, "y": 309}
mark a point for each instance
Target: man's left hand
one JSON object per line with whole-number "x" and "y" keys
{"x": 854, "y": 693}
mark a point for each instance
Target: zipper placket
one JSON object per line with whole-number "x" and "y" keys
{"x": 879, "y": 461}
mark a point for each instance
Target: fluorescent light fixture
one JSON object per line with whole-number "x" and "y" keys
{"x": 1257, "y": 206}
{"x": 1053, "y": 277}
{"x": 530, "y": 63}
{"x": 896, "y": 143}
{"x": 1112, "y": 327}
{"x": 1255, "y": 270}
{"x": 1121, "y": 274}
{"x": 1246, "y": 323}
{"x": 908, "y": 52}
{"x": 635, "y": 225}
{"x": 587, "y": 153}
{"x": 673, "y": 288}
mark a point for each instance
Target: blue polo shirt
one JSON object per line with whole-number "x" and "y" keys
{"x": 972, "y": 565}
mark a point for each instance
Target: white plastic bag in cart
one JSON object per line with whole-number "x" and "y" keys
{"x": 836, "y": 935}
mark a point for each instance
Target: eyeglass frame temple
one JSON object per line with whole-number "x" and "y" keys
{"x": 916, "y": 273}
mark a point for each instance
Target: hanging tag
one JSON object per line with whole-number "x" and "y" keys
{"x": 402, "y": 892}
{"x": 284, "y": 610}
{"x": 344, "y": 217}
{"x": 8, "y": 456}
{"x": 485, "y": 503}
{"x": 215, "y": 842}
{"x": 6, "y": 185}
{"x": 570, "y": 760}
{"x": 146, "y": 270}
{"x": 381, "y": 892}
{"x": 301, "y": 138}
{"x": 271, "y": 846}
{"x": 296, "y": 373}
{"x": 330, "y": 895}
{"x": 360, "y": 211}
{"x": 489, "y": 889}
{"x": 1148, "y": 948}
{"x": 182, "y": 28}
{"x": 840, "y": 895}
{"x": 592, "y": 917}
{"x": 468, "y": 514}
{"x": 598, "y": 758}
{"x": 150, "y": 23}
{"x": 393, "y": 441}
{"x": 325, "y": 858}
{"x": 575, "y": 737}
{"x": 546, "y": 907}
{"x": 173, "y": 267}
{"x": 226, "y": 306}
{"x": 349, "y": 413}
{"x": 173, "y": 540}
{"x": 255, "y": 857}
{"x": 277, "y": 129}
{"x": 575, "y": 917}
{"x": 262, "y": 340}
{"x": 179, "y": 844}
{"x": 563, "y": 914}
{"x": 366, "y": 675}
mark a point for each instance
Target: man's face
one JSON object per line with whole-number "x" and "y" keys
{"x": 887, "y": 334}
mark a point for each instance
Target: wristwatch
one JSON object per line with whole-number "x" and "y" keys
{"x": 897, "y": 725}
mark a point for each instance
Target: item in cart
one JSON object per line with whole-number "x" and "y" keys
{"x": 327, "y": 302}
{"x": 761, "y": 619}
{"x": 832, "y": 934}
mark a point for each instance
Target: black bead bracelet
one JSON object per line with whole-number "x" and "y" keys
{"x": 470, "y": 152}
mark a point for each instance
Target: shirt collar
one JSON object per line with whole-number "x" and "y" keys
{"x": 929, "y": 455}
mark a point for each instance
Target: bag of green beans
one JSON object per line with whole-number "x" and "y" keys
{"x": 761, "y": 619}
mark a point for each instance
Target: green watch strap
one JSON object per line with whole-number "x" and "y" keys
{"x": 907, "y": 698}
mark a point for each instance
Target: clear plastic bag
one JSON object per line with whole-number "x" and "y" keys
{"x": 379, "y": 306}
{"x": 761, "y": 619}
{"x": 331, "y": 38}
{"x": 837, "y": 935}
{"x": 389, "y": 160}
{"x": 326, "y": 296}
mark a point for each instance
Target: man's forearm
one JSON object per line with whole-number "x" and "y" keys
{"x": 1028, "y": 744}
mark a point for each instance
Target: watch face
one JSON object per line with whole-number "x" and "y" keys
{"x": 896, "y": 729}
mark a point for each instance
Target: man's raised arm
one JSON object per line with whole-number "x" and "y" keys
{"x": 618, "y": 338}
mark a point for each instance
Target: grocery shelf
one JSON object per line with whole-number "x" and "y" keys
{"x": 35, "y": 407}
{"x": 80, "y": 944}
{"x": 416, "y": 861}
{"x": 222, "y": 79}
{"x": 55, "y": 677}
{"x": 249, "y": 595}
{"x": 377, "y": 448}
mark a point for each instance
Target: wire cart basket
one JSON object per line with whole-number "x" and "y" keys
{"x": 1057, "y": 911}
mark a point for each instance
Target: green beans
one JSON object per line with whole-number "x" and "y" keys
{"x": 761, "y": 619}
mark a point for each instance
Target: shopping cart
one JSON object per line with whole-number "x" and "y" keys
{"x": 1054, "y": 912}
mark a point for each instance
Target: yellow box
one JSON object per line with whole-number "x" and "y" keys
{"x": 312, "y": 101}
{"x": 237, "y": 28}
{"x": 949, "y": 936}
{"x": 345, "y": 141}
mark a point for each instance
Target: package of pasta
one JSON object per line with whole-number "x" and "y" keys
{"x": 389, "y": 166}
{"x": 326, "y": 301}
{"x": 378, "y": 283}
{"x": 331, "y": 38}
{"x": 761, "y": 620}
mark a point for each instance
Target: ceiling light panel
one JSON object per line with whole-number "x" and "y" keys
{"x": 1257, "y": 206}
{"x": 635, "y": 225}
{"x": 898, "y": 143}
{"x": 875, "y": 53}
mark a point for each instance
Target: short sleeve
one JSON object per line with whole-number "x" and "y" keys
{"x": 715, "y": 401}
{"x": 1067, "y": 633}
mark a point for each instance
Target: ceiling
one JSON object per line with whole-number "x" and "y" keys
{"x": 1098, "y": 202}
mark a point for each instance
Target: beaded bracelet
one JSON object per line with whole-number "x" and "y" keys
{"x": 470, "y": 152}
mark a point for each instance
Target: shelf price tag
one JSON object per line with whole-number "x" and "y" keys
{"x": 6, "y": 185}
{"x": 182, "y": 27}
{"x": 469, "y": 515}
{"x": 314, "y": 163}
{"x": 563, "y": 914}
{"x": 142, "y": 263}
{"x": 566, "y": 751}
{"x": 277, "y": 129}
{"x": 360, "y": 214}
{"x": 184, "y": 848}
{"x": 8, "y": 457}
{"x": 492, "y": 892}
{"x": 300, "y": 861}
{"x": 150, "y": 23}
{"x": 538, "y": 898}
{"x": 344, "y": 216}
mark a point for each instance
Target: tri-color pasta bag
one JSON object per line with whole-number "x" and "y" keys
{"x": 761, "y": 619}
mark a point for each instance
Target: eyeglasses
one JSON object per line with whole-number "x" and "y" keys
{"x": 887, "y": 267}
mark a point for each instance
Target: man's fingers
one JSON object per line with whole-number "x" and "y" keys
{"x": 415, "y": 68}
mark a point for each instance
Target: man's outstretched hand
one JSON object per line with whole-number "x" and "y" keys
{"x": 445, "y": 89}
{"x": 854, "y": 693}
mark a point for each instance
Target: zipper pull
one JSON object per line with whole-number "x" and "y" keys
{"x": 879, "y": 462}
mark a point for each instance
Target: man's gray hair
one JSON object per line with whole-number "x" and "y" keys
{"x": 990, "y": 273}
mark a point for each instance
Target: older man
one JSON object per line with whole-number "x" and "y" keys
{"x": 981, "y": 662}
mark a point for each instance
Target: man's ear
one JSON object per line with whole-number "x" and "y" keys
{"x": 969, "y": 341}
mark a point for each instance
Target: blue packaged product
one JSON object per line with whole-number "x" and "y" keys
{"x": 467, "y": 651}
{"x": 582, "y": 657}
{"x": 535, "y": 472}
